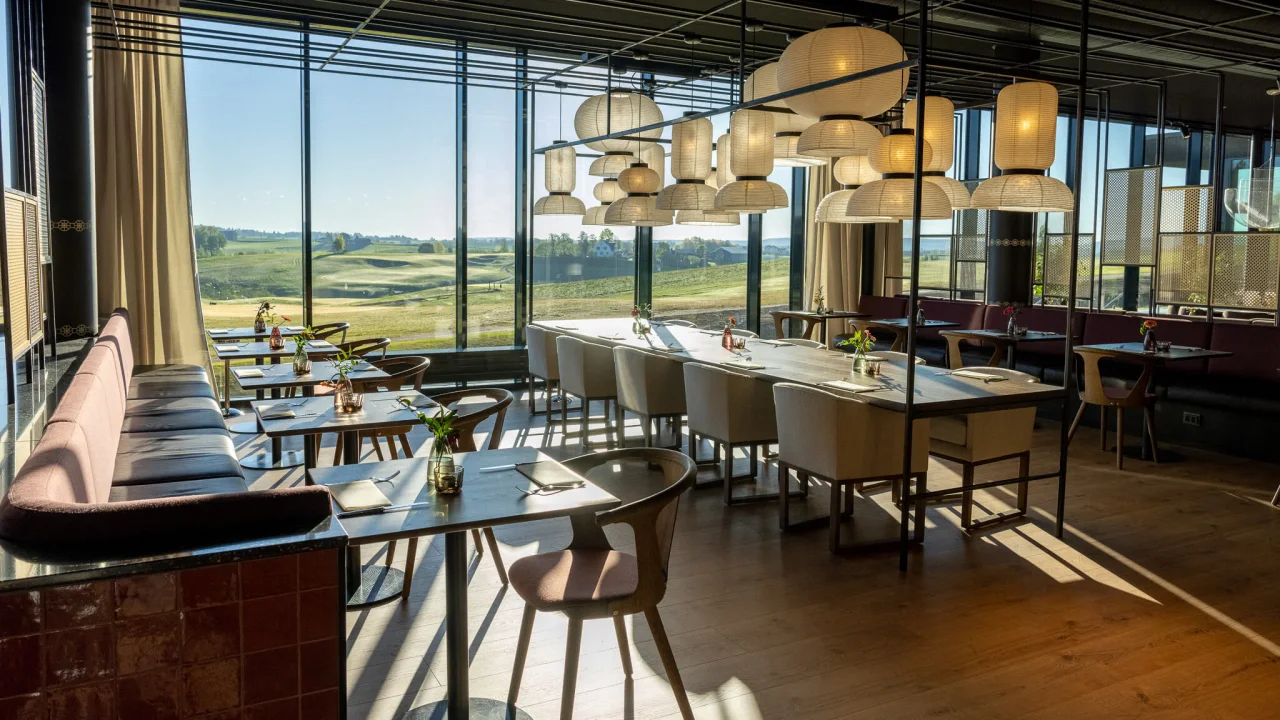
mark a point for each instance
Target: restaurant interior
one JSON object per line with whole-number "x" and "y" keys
{"x": 857, "y": 360}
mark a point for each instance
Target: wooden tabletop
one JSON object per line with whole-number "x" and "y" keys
{"x": 248, "y": 333}
{"x": 936, "y": 392}
{"x": 1003, "y": 336}
{"x": 487, "y": 498}
{"x": 824, "y": 315}
{"x": 262, "y": 350}
{"x": 316, "y": 415}
{"x": 1175, "y": 353}
{"x": 282, "y": 376}
{"x": 901, "y": 323}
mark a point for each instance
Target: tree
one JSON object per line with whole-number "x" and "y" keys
{"x": 339, "y": 244}
{"x": 428, "y": 248}
{"x": 502, "y": 248}
{"x": 607, "y": 235}
{"x": 585, "y": 243}
{"x": 209, "y": 241}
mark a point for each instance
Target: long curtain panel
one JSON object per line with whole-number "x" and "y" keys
{"x": 146, "y": 251}
{"x": 833, "y": 251}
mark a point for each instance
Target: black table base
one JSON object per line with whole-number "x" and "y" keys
{"x": 481, "y": 709}
{"x": 378, "y": 584}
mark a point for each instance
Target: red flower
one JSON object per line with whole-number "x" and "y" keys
{"x": 1008, "y": 310}
{"x": 1149, "y": 323}
{"x": 635, "y": 312}
{"x": 732, "y": 321}
{"x": 285, "y": 318}
{"x": 870, "y": 337}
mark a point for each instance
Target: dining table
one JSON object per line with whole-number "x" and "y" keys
{"x": 494, "y": 492}
{"x": 898, "y": 326}
{"x": 816, "y": 317}
{"x": 238, "y": 334}
{"x": 313, "y": 416}
{"x": 1005, "y": 343}
{"x": 260, "y": 352}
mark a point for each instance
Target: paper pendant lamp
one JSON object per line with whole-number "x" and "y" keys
{"x": 707, "y": 218}
{"x": 615, "y": 112}
{"x": 956, "y": 191}
{"x": 1026, "y": 129}
{"x": 834, "y": 208}
{"x": 610, "y": 164}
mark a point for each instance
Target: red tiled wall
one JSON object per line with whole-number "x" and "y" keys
{"x": 241, "y": 641}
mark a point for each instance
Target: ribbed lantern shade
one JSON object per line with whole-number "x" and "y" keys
{"x": 1026, "y": 126}
{"x": 750, "y": 196}
{"x": 639, "y": 179}
{"x": 956, "y": 191}
{"x": 656, "y": 158}
{"x": 854, "y": 170}
{"x": 837, "y": 138}
{"x": 1023, "y": 193}
{"x": 786, "y": 151}
{"x": 687, "y": 196}
{"x": 658, "y": 218}
{"x": 723, "y": 152}
{"x": 763, "y": 83}
{"x": 560, "y": 166}
{"x": 559, "y": 205}
{"x": 712, "y": 218}
{"x": 610, "y": 164}
{"x": 751, "y": 139}
{"x": 834, "y": 208}
{"x": 892, "y": 199}
{"x": 636, "y": 210}
{"x": 713, "y": 179}
{"x": 691, "y": 149}
{"x": 896, "y": 153}
{"x": 939, "y": 129}
{"x": 595, "y": 215}
{"x": 614, "y": 112}
{"x": 607, "y": 190}
{"x": 837, "y": 51}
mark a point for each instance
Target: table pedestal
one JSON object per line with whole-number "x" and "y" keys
{"x": 369, "y": 586}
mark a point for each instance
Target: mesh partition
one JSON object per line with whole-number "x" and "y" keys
{"x": 1130, "y": 209}
{"x": 1057, "y": 266}
{"x": 1186, "y": 209}
{"x": 1245, "y": 270}
{"x": 970, "y": 243}
{"x": 1182, "y": 273}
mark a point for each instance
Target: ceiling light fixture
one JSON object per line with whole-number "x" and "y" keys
{"x": 787, "y": 125}
{"x": 690, "y": 165}
{"x": 751, "y": 161}
{"x": 851, "y": 171}
{"x": 892, "y": 197}
{"x": 559, "y": 166}
{"x": 939, "y": 133}
{"x": 1026, "y": 129}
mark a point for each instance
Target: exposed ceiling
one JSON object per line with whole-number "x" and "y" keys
{"x": 1134, "y": 44}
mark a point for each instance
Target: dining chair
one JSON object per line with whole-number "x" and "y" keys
{"x": 1094, "y": 392}
{"x": 802, "y": 342}
{"x": 680, "y": 323}
{"x": 401, "y": 371}
{"x": 328, "y": 330}
{"x": 895, "y": 357}
{"x": 733, "y": 410}
{"x": 843, "y": 441}
{"x": 543, "y": 365}
{"x": 650, "y": 385}
{"x": 365, "y": 347}
{"x": 590, "y": 580}
{"x": 983, "y": 438}
{"x": 586, "y": 372}
{"x": 780, "y": 316}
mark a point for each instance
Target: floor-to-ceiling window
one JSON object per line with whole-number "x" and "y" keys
{"x": 491, "y": 172}
{"x": 382, "y": 196}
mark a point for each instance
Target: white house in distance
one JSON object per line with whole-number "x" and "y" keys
{"x": 603, "y": 249}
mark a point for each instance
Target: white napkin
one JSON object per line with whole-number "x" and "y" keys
{"x": 319, "y": 344}
{"x": 295, "y": 328}
{"x": 742, "y": 365}
{"x": 668, "y": 348}
{"x": 219, "y": 332}
{"x": 226, "y": 348}
{"x": 774, "y": 343}
{"x": 850, "y": 386}
{"x": 277, "y": 412}
{"x": 975, "y": 375}
{"x": 610, "y": 337}
{"x": 248, "y": 373}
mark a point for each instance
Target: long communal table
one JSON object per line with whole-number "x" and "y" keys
{"x": 937, "y": 391}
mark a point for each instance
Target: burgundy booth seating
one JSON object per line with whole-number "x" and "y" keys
{"x": 139, "y": 458}
{"x": 1042, "y": 359}
{"x": 929, "y": 344}
{"x": 880, "y": 307}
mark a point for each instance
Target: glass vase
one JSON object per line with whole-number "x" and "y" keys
{"x": 859, "y": 360}
{"x": 446, "y": 477}
{"x": 277, "y": 339}
{"x": 260, "y": 325}
{"x": 301, "y": 362}
{"x": 1149, "y": 341}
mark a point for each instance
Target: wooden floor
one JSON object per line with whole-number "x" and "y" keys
{"x": 1159, "y": 602}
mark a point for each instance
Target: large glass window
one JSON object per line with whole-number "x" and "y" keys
{"x": 382, "y": 198}
{"x": 491, "y": 172}
{"x": 775, "y": 263}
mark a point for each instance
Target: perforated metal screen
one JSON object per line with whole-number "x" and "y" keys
{"x": 1057, "y": 265}
{"x": 1186, "y": 209}
{"x": 1182, "y": 273}
{"x": 1131, "y": 207}
{"x": 1246, "y": 270}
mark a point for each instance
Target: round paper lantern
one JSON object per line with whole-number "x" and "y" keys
{"x": 892, "y": 198}
{"x": 834, "y": 208}
{"x": 838, "y": 137}
{"x": 751, "y": 139}
{"x": 1023, "y": 193}
{"x": 614, "y": 112}
{"x": 639, "y": 179}
{"x": 687, "y": 195}
{"x": 723, "y": 151}
{"x": 559, "y": 204}
{"x": 610, "y": 164}
{"x": 713, "y": 218}
{"x": 853, "y": 171}
{"x": 750, "y": 196}
{"x": 836, "y": 51}
{"x": 786, "y": 152}
{"x": 655, "y": 157}
{"x": 607, "y": 190}
{"x": 939, "y": 129}
{"x": 636, "y": 210}
{"x": 691, "y": 149}
{"x": 595, "y": 215}
{"x": 1026, "y": 126}
{"x": 895, "y": 154}
{"x": 956, "y": 191}
{"x": 763, "y": 83}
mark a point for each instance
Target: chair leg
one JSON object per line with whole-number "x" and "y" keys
{"x": 377, "y": 448}
{"x": 1275, "y": 499}
{"x": 337, "y": 449}
{"x": 496, "y": 554}
{"x": 646, "y": 427}
{"x": 409, "y": 563}
{"x": 404, "y": 445}
{"x": 620, "y": 424}
{"x": 966, "y": 503}
{"x": 1151, "y": 432}
{"x": 564, "y": 417}
{"x": 522, "y": 652}
{"x": 529, "y": 378}
{"x": 726, "y": 473}
{"x": 624, "y": 648}
{"x": 755, "y": 457}
{"x": 1075, "y": 424}
{"x": 834, "y": 519}
{"x": 1102, "y": 424}
{"x": 1119, "y": 438}
{"x": 391, "y": 552}
{"x": 668, "y": 661}
{"x": 475, "y": 538}
{"x": 784, "y": 505}
{"x": 922, "y": 487}
{"x": 573, "y": 646}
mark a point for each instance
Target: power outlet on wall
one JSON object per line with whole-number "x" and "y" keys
{"x": 1190, "y": 418}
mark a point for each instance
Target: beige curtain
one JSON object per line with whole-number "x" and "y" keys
{"x": 146, "y": 251}
{"x": 833, "y": 252}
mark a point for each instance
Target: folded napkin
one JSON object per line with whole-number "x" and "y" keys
{"x": 219, "y": 332}
{"x": 774, "y": 343}
{"x": 668, "y": 348}
{"x": 742, "y": 365}
{"x": 295, "y": 328}
{"x": 358, "y": 495}
{"x": 226, "y": 348}
{"x": 850, "y": 386}
{"x": 248, "y": 373}
{"x": 277, "y": 412}
{"x": 610, "y": 337}
{"x": 975, "y": 375}
{"x": 319, "y": 344}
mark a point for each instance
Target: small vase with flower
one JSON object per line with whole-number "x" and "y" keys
{"x": 862, "y": 342}
{"x": 1148, "y": 332}
{"x": 345, "y": 397}
{"x": 446, "y": 477}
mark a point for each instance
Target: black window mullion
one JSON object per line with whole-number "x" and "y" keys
{"x": 755, "y": 249}
{"x": 522, "y": 195}
{"x": 460, "y": 198}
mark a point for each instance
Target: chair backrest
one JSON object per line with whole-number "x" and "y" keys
{"x": 328, "y": 330}
{"x": 897, "y": 358}
{"x": 842, "y": 438}
{"x": 649, "y": 383}
{"x": 779, "y": 316}
{"x": 469, "y": 418}
{"x": 803, "y": 342}
{"x": 680, "y": 323}
{"x": 728, "y": 406}
{"x": 403, "y": 370}
{"x": 366, "y": 347}
{"x": 586, "y": 369}
{"x": 541, "y": 344}
{"x": 652, "y": 518}
{"x": 1091, "y": 387}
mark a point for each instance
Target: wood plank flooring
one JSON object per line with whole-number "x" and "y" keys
{"x": 1159, "y": 602}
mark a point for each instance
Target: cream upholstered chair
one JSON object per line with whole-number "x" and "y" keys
{"x": 651, "y": 386}
{"x": 987, "y": 437}
{"x": 842, "y": 440}
{"x": 802, "y": 342}
{"x": 586, "y": 372}
{"x": 543, "y": 364}
{"x": 895, "y": 357}
{"x": 733, "y": 410}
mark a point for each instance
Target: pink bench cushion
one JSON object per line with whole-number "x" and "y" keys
{"x": 968, "y": 315}
{"x": 85, "y": 406}
{"x": 115, "y": 335}
{"x": 1256, "y": 348}
{"x": 1036, "y": 318}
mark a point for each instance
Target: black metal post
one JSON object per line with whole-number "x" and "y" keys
{"x": 460, "y": 198}
{"x": 521, "y": 249}
{"x": 532, "y": 219}
{"x": 1219, "y": 162}
{"x": 1195, "y": 147}
{"x": 755, "y": 256}
{"x": 644, "y": 266}
{"x": 457, "y": 637}
{"x": 1068, "y": 377}
{"x": 799, "y": 223}
{"x": 867, "y": 286}
{"x": 308, "y": 310}
{"x": 1162, "y": 100}
{"x": 917, "y": 180}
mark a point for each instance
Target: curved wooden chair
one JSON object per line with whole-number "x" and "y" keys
{"x": 365, "y": 347}
{"x": 680, "y": 323}
{"x": 590, "y": 580}
{"x": 403, "y": 370}
{"x": 1093, "y": 392}
{"x": 328, "y": 330}
{"x": 893, "y": 356}
{"x": 802, "y": 342}
{"x": 780, "y": 316}
{"x": 744, "y": 333}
